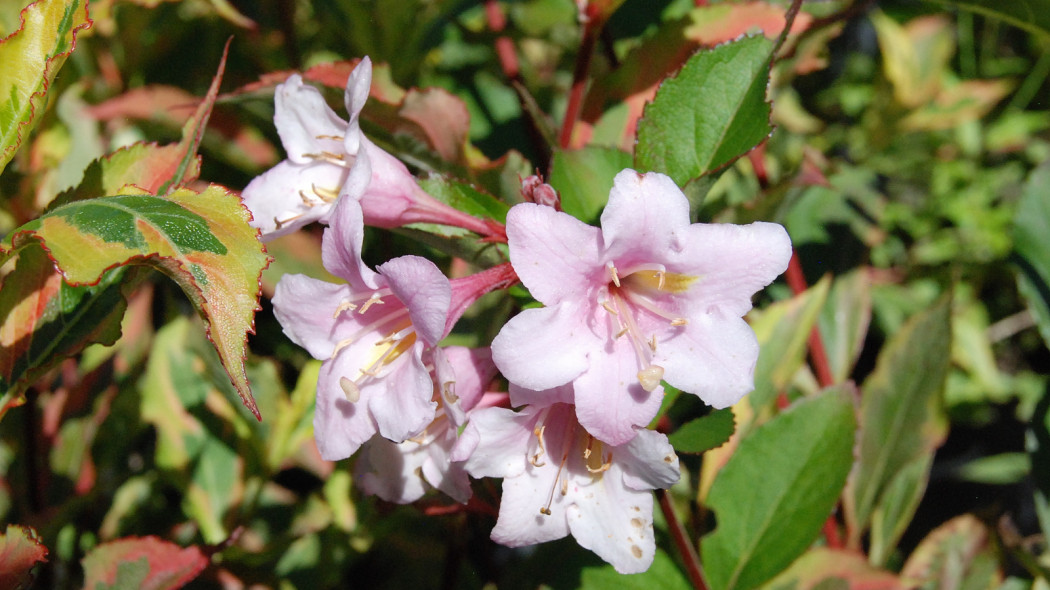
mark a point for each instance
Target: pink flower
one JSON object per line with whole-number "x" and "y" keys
{"x": 558, "y": 479}
{"x": 645, "y": 298}
{"x": 329, "y": 158}
{"x": 322, "y": 150}
{"x": 402, "y": 472}
{"x": 370, "y": 333}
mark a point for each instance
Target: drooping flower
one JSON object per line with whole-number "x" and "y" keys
{"x": 402, "y": 472}
{"x": 370, "y": 332}
{"x": 645, "y": 298}
{"x": 558, "y": 479}
{"x": 329, "y": 159}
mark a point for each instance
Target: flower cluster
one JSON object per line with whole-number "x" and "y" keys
{"x": 648, "y": 298}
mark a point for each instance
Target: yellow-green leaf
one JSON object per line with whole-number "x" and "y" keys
{"x": 29, "y": 59}
{"x": 200, "y": 240}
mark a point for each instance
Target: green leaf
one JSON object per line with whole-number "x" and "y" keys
{"x": 712, "y": 112}
{"x": 201, "y": 240}
{"x": 783, "y": 331}
{"x": 1032, "y": 247}
{"x": 663, "y": 574}
{"x": 29, "y": 60}
{"x": 702, "y": 434}
{"x": 957, "y": 554}
{"x": 844, "y": 322}
{"x": 583, "y": 179}
{"x": 897, "y": 507}
{"x": 901, "y": 412}
{"x": 821, "y": 564}
{"x": 1031, "y": 15}
{"x": 776, "y": 491}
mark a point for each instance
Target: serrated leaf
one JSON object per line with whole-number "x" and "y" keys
{"x": 201, "y": 240}
{"x": 20, "y": 550}
{"x": 29, "y": 60}
{"x": 705, "y": 433}
{"x": 1031, "y": 15}
{"x": 44, "y": 320}
{"x": 802, "y": 458}
{"x": 712, "y": 112}
{"x": 901, "y": 412}
{"x": 584, "y": 178}
{"x": 1032, "y": 247}
{"x": 157, "y": 564}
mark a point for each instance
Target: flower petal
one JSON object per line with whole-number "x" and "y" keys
{"x": 388, "y": 470}
{"x": 545, "y": 347}
{"x": 304, "y": 307}
{"x": 340, "y": 427}
{"x": 424, "y": 290}
{"x": 401, "y": 401}
{"x": 555, "y": 255}
{"x": 501, "y": 437}
{"x": 713, "y": 356}
{"x": 357, "y": 87}
{"x": 519, "y": 396}
{"x": 732, "y": 261}
{"x": 520, "y": 522}
{"x": 341, "y": 246}
{"x": 644, "y": 218}
{"x": 610, "y": 402}
{"x": 648, "y": 461}
{"x": 276, "y": 203}
{"x": 305, "y": 122}
{"x": 613, "y": 521}
{"x": 438, "y": 471}
{"x": 463, "y": 372}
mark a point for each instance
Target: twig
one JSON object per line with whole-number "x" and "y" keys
{"x": 591, "y": 30}
{"x": 682, "y": 542}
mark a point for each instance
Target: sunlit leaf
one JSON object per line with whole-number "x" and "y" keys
{"x": 663, "y": 573}
{"x": 897, "y": 507}
{"x": 709, "y": 114}
{"x": 29, "y": 60}
{"x": 772, "y": 497}
{"x": 145, "y": 562}
{"x": 200, "y": 240}
{"x": 901, "y": 416}
{"x": 822, "y": 563}
{"x": 584, "y": 178}
{"x": 702, "y": 434}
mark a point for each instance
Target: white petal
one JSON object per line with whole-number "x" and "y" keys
{"x": 712, "y": 356}
{"x": 643, "y": 219}
{"x": 648, "y": 461}
{"x": 402, "y": 404}
{"x": 542, "y": 348}
{"x": 614, "y": 521}
{"x": 357, "y": 87}
{"x": 305, "y": 122}
{"x": 502, "y": 442}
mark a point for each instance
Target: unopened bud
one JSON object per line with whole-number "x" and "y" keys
{"x": 536, "y": 191}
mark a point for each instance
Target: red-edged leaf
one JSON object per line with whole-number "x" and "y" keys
{"x": 818, "y": 565}
{"x": 29, "y": 60}
{"x": 20, "y": 550}
{"x": 147, "y": 563}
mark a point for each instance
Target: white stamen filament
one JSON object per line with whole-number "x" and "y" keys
{"x": 569, "y": 438}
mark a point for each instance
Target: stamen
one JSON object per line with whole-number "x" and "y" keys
{"x": 652, "y": 343}
{"x": 344, "y": 306}
{"x": 375, "y": 299}
{"x": 448, "y": 390}
{"x": 307, "y": 200}
{"x": 326, "y": 156}
{"x": 538, "y": 433}
{"x": 615, "y": 275}
{"x": 644, "y": 303}
{"x": 327, "y": 195}
{"x": 278, "y": 223}
{"x": 609, "y": 308}
{"x": 332, "y": 137}
{"x": 350, "y": 390}
{"x": 567, "y": 444}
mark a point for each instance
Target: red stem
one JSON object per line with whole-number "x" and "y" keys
{"x": 682, "y": 542}
{"x": 591, "y": 29}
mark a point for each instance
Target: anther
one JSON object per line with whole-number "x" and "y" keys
{"x": 326, "y": 194}
{"x": 350, "y": 390}
{"x": 609, "y": 308}
{"x": 615, "y": 275}
{"x": 650, "y": 377}
{"x": 332, "y": 137}
{"x": 679, "y": 322}
{"x": 449, "y": 392}
{"x": 538, "y": 432}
